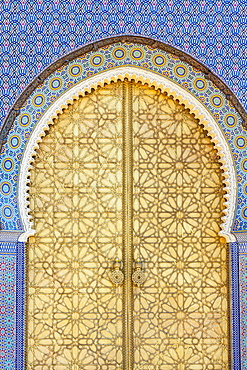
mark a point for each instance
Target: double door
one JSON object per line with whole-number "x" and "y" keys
{"x": 126, "y": 269}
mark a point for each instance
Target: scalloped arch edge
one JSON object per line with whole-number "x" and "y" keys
{"x": 158, "y": 82}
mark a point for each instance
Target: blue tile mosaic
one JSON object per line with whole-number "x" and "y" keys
{"x": 34, "y": 34}
{"x": 7, "y": 311}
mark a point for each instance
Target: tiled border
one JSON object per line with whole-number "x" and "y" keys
{"x": 8, "y": 338}
{"x": 235, "y": 305}
{"x": 243, "y": 302}
{"x": 20, "y": 306}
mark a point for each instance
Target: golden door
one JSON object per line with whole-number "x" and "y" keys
{"x": 126, "y": 183}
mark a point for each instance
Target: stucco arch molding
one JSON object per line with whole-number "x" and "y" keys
{"x": 152, "y": 79}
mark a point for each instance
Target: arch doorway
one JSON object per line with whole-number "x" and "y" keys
{"x": 126, "y": 183}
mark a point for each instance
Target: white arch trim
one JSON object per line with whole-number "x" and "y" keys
{"x": 152, "y": 79}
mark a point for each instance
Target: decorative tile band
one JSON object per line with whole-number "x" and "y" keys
{"x": 7, "y": 248}
{"x": 243, "y": 308}
{"x": 20, "y": 306}
{"x": 243, "y": 248}
{"x": 235, "y": 305}
{"x": 7, "y": 310}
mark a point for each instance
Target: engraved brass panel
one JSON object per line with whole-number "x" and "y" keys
{"x": 127, "y": 173}
{"x": 180, "y": 314}
{"x": 75, "y": 312}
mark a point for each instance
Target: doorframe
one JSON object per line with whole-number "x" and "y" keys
{"x": 191, "y": 103}
{"x": 14, "y": 235}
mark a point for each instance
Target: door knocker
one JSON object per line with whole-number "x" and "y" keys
{"x": 116, "y": 274}
{"x": 138, "y": 276}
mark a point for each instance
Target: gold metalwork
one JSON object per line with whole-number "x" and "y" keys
{"x": 138, "y": 276}
{"x": 116, "y": 275}
{"x": 126, "y": 172}
{"x": 180, "y": 312}
{"x": 127, "y": 228}
{"x": 75, "y": 313}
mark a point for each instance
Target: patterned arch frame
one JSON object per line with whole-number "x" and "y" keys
{"x": 231, "y": 139}
{"x": 150, "y": 78}
{"x": 156, "y": 67}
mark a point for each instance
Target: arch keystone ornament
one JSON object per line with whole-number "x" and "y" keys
{"x": 153, "y": 65}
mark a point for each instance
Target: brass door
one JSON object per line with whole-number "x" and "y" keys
{"x": 127, "y": 173}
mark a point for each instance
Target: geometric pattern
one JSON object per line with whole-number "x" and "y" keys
{"x": 7, "y": 311}
{"x": 93, "y": 63}
{"x": 75, "y": 314}
{"x": 74, "y": 310}
{"x": 178, "y": 203}
{"x": 34, "y": 35}
{"x": 243, "y": 302}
